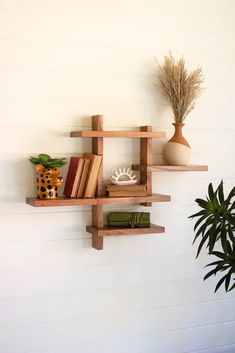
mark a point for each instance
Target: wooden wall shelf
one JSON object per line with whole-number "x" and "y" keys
{"x": 113, "y": 231}
{"x": 170, "y": 168}
{"x": 125, "y": 134}
{"x": 146, "y": 168}
{"x": 33, "y": 201}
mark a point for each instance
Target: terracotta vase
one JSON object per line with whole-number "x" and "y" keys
{"x": 48, "y": 180}
{"x": 177, "y": 150}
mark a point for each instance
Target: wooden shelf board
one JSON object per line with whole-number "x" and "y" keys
{"x": 33, "y": 201}
{"x": 171, "y": 168}
{"x": 133, "y": 199}
{"x": 61, "y": 201}
{"x": 113, "y": 231}
{"x": 126, "y": 134}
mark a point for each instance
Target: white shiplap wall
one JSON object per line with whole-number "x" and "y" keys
{"x": 60, "y": 62}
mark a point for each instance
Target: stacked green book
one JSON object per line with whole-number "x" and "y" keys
{"x": 129, "y": 219}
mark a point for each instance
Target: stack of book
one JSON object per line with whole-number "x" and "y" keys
{"x": 114, "y": 190}
{"x": 82, "y": 176}
{"x": 129, "y": 219}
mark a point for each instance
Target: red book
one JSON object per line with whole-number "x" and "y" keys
{"x": 71, "y": 175}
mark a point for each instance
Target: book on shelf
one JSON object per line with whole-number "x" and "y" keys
{"x": 69, "y": 188}
{"x": 84, "y": 175}
{"x": 93, "y": 173}
{"x": 77, "y": 178}
{"x": 114, "y": 190}
{"x": 129, "y": 219}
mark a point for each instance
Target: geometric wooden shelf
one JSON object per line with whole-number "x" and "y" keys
{"x": 170, "y": 168}
{"x": 125, "y": 134}
{"x": 146, "y": 168}
{"x": 113, "y": 231}
{"x": 98, "y": 201}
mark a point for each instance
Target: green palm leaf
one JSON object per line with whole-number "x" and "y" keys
{"x": 216, "y": 225}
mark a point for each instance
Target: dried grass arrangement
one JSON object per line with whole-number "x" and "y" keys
{"x": 180, "y": 87}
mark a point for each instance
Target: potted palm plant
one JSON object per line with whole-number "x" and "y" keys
{"x": 216, "y": 226}
{"x": 181, "y": 90}
{"x": 48, "y": 175}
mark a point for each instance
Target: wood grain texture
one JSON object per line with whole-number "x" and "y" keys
{"x": 97, "y": 210}
{"x": 113, "y": 231}
{"x": 61, "y": 201}
{"x": 170, "y": 168}
{"x": 126, "y": 134}
{"x": 133, "y": 199}
{"x": 97, "y": 201}
{"x": 97, "y": 148}
{"x": 146, "y": 152}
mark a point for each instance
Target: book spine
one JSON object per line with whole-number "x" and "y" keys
{"x": 125, "y": 193}
{"x": 71, "y": 176}
{"x": 92, "y": 178}
{"x": 129, "y": 219}
{"x": 138, "y": 187}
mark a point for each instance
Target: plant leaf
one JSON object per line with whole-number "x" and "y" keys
{"x": 204, "y": 239}
{"x": 227, "y": 280}
{"x": 199, "y": 221}
{"x": 210, "y": 273}
{"x": 233, "y": 286}
{"x": 218, "y": 254}
{"x": 220, "y": 282}
{"x": 211, "y": 192}
{"x": 221, "y": 192}
{"x": 200, "y": 213}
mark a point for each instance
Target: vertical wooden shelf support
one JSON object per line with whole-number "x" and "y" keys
{"x": 97, "y": 210}
{"x": 146, "y": 159}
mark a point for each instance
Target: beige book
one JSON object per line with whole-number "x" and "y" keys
{"x": 92, "y": 179}
{"x": 77, "y": 177}
{"x": 83, "y": 180}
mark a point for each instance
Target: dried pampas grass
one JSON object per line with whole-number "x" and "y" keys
{"x": 180, "y": 87}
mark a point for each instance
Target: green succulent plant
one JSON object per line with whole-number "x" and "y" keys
{"x": 47, "y": 161}
{"x": 216, "y": 223}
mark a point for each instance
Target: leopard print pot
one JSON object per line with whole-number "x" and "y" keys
{"x": 48, "y": 180}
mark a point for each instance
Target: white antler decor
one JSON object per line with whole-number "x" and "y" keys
{"x": 123, "y": 176}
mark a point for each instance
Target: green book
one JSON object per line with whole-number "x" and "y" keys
{"x": 129, "y": 219}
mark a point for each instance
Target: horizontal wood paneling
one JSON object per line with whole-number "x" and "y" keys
{"x": 79, "y": 304}
{"x": 60, "y": 63}
{"x": 151, "y": 13}
{"x": 26, "y": 251}
{"x": 55, "y": 84}
{"x": 23, "y": 26}
{"x": 47, "y": 279}
{"x": 80, "y": 331}
{"x": 57, "y": 138}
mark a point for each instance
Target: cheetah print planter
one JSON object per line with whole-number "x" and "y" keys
{"x": 48, "y": 180}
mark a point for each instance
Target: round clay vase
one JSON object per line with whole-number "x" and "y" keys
{"x": 177, "y": 150}
{"x": 48, "y": 180}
